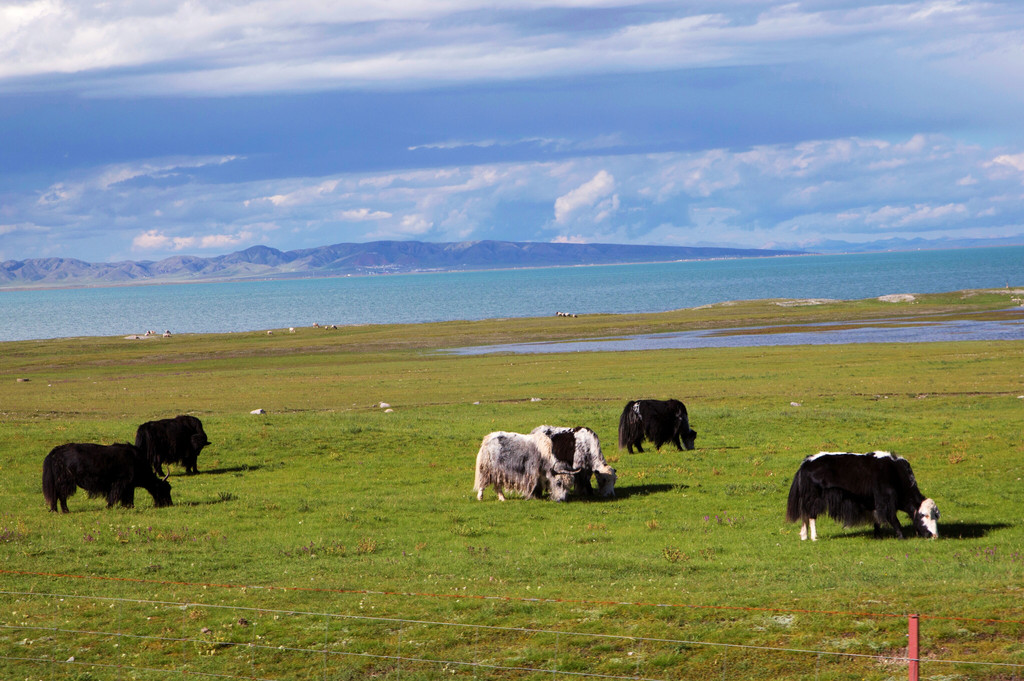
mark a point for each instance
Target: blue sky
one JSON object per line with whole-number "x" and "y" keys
{"x": 141, "y": 129}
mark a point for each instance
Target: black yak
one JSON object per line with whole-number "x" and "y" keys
{"x": 172, "y": 440}
{"x": 659, "y": 421}
{"x": 524, "y": 463}
{"x": 111, "y": 471}
{"x": 856, "y": 489}
{"x": 580, "y": 448}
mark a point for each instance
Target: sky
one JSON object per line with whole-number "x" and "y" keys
{"x": 144, "y": 129}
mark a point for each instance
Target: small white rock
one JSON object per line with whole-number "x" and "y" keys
{"x": 795, "y": 404}
{"x": 257, "y": 411}
{"x": 389, "y": 411}
{"x": 535, "y": 399}
{"x": 384, "y": 405}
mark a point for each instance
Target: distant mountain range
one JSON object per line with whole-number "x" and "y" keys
{"x": 378, "y": 257}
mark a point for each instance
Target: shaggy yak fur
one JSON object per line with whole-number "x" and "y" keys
{"x": 172, "y": 440}
{"x": 659, "y": 421}
{"x": 110, "y": 471}
{"x": 524, "y": 463}
{"x": 856, "y": 489}
{"x": 580, "y": 448}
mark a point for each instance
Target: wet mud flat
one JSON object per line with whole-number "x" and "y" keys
{"x": 1007, "y": 326}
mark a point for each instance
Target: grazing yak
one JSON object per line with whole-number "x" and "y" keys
{"x": 659, "y": 421}
{"x": 856, "y": 489}
{"x": 580, "y": 448}
{"x": 111, "y": 471}
{"x": 171, "y": 440}
{"x": 524, "y": 463}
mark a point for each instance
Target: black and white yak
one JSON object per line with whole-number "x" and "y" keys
{"x": 110, "y": 471}
{"x": 856, "y": 489}
{"x": 524, "y": 463}
{"x": 172, "y": 440}
{"x": 580, "y": 448}
{"x": 659, "y": 421}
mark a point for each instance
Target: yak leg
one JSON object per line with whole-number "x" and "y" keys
{"x": 808, "y": 522}
{"x": 63, "y": 505}
{"x": 894, "y": 521}
{"x": 480, "y": 494}
{"x": 582, "y": 483}
{"x": 501, "y": 497}
{"x": 886, "y": 513}
{"x": 123, "y": 493}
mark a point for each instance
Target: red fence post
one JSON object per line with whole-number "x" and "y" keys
{"x": 912, "y": 650}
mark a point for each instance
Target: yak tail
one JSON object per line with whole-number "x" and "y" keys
{"x": 49, "y": 483}
{"x": 794, "y": 507}
{"x": 147, "y": 442}
{"x": 57, "y": 482}
{"x": 629, "y": 425}
{"x": 480, "y": 480}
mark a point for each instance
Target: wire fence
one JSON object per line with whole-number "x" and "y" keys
{"x": 50, "y": 635}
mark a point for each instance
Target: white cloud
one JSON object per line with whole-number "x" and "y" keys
{"x": 586, "y": 195}
{"x": 305, "y": 195}
{"x": 154, "y": 240}
{"x": 570, "y": 239}
{"x": 226, "y": 240}
{"x": 1014, "y": 161}
{"x": 287, "y": 45}
{"x": 932, "y": 213}
{"x": 796, "y": 193}
{"x": 363, "y": 215}
{"x": 415, "y": 224}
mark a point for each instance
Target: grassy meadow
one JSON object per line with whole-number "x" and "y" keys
{"x": 329, "y": 538}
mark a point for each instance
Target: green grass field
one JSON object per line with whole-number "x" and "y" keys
{"x": 330, "y": 539}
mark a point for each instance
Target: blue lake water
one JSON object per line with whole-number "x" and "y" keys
{"x": 412, "y": 298}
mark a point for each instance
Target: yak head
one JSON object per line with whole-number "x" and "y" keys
{"x": 199, "y": 441}
{"x": 926, "y": 520}
{"x": 605, "y": 481}
{"x": 689, "y": 437}
{"x": 161, "y": 491}
{"x": 560, "y": 481}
